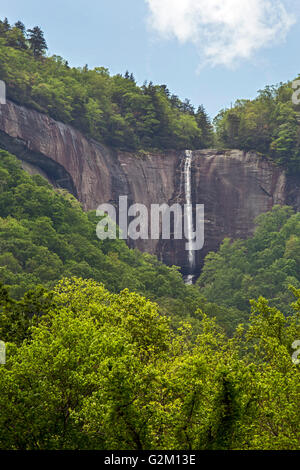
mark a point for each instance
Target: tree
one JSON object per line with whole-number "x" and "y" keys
{"x": 19, "y": 25}
{"x": 87, "y": 373}
{"x": 37, "y": 41}
{"x": 15, "y": 38}
{"x": 4, "y": 27}
{"x": 206, "y": 127}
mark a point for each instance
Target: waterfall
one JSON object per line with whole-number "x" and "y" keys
{"x": 189, "y": 216}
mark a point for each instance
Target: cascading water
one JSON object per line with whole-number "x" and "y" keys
{"x": 189, "y": 215}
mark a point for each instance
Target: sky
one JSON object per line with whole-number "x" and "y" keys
{"x": 209, "y": 51}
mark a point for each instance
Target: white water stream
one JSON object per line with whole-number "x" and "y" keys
{"x": 189, "y": 214}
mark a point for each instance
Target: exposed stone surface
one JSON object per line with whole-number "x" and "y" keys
{"x": 234, "y": 186}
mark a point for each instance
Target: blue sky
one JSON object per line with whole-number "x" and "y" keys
{"x": 209, "y": 51}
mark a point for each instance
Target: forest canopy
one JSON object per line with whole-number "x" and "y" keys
{"x": 97, "y": 370}
{"x": 269, "y": 124}
{"x": 111, "y": 109}
{"x": 265, "y": 264}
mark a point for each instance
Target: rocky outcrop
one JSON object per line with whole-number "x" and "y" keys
{"x": 234, "y": 186}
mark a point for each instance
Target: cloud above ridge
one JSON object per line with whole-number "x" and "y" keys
{"x": 224, "y": 31}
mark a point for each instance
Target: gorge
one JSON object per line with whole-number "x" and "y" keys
{"x": 234, "y": 186}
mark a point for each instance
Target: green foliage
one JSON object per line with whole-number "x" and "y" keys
{"x": 111, "y": 109}
{"x": 265, "y": 264}
{"x": 268, "y": 124}
{"x": 105, "y": 371}
{"x": 36, "y": 41}
{"x": 16, "y": 317}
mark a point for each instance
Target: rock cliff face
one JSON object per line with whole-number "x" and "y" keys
{"x": 234, "y": 186}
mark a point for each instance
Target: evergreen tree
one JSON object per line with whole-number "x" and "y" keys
{"x": 187, "y": 107}
{"x": 37, "y": 41}
{"x": 6, "y": 24}
{"x": 4, "y": 27}
{"x": 19, "y": 25}
{"x": 205, "y": 125}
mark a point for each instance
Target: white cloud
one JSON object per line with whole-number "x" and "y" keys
{"x": 224, "y": 31}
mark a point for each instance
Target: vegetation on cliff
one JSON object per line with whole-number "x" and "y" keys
{"x": 269, "y": 124}
{"x": 119, "y": 113}
{"x": 111, "y": 109}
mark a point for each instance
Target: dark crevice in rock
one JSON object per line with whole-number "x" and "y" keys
{"x": 55, "y": 172}
{"x": 265, "y": 191}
